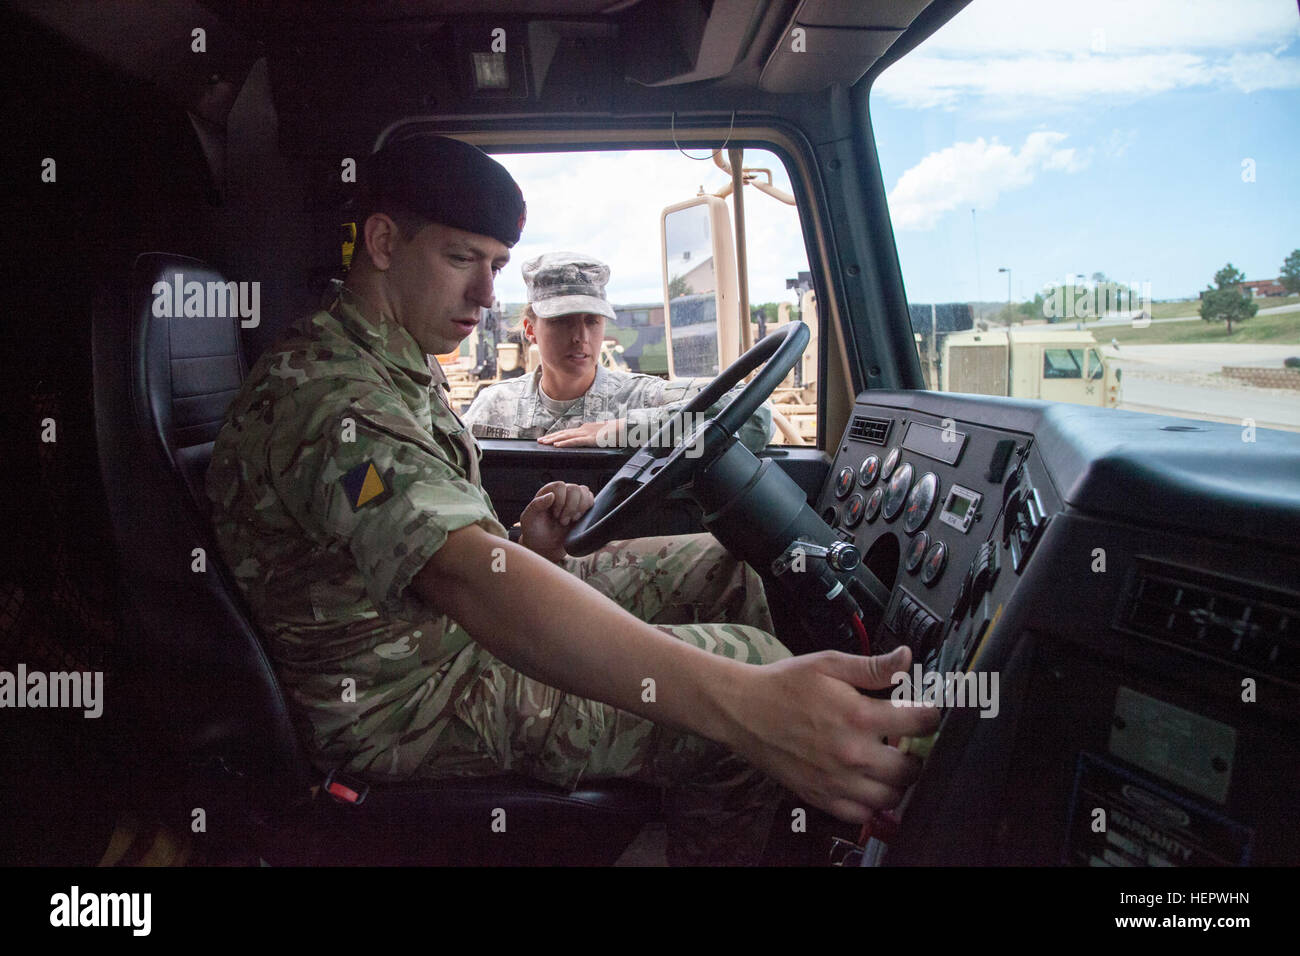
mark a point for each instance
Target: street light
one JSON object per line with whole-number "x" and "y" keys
{"x": 1008, "y": 272}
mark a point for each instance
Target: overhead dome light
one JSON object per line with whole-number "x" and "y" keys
{"x": 490, "y": 71}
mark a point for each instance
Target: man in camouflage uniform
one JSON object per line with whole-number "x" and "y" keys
{"x": 347, "y": 501}
{"x": 564, "y": 288}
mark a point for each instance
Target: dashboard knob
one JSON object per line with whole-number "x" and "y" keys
{"x": 843, "y": 556}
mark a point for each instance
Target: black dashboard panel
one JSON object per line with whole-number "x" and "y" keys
{"x": 1128, "y": 587}
{"x": 514, "y": 469}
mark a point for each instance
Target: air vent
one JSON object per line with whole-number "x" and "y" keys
{"x": 1230, "y": 621}
{"x": 873, "y": 431}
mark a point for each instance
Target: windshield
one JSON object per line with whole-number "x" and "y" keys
{"x": 1127, "y": 169}
{"x": 609, "y": 204}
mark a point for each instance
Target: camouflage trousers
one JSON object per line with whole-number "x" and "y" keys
{"x": 719, "y": 808}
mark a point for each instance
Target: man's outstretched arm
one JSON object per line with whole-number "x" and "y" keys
{"x": 800, "y": 720}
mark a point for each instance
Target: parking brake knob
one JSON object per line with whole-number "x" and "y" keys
{"x": 843, "y": 556}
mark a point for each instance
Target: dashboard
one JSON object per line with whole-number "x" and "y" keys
{"x": 1106, "y": 605}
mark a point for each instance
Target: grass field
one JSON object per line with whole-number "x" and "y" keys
{"x": 1281, "y": 329}
{"x": 1172, "y": 310}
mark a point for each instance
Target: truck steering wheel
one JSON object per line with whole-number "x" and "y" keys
{"x": 663, "y": 467}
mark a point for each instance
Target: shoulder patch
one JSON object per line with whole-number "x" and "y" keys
{"x": 365, "y": 486}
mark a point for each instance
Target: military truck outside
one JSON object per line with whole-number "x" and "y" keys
{"x": 1050, "y": 364}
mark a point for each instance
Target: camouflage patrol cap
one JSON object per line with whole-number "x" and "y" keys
{"x": 447, "y": 181}
{"x": 562, "y": 283}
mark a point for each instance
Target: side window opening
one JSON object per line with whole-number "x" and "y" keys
{"x": 610, "y": 204}
{"x": 1063, "y": 363}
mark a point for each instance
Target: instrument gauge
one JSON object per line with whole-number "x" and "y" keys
{"x": 936, "y": 559}
{"x": 869, "y": 471}
{"x": 916, "y": 552}
{"x": 853, "y": 511}
{"x": 844, "y": 482}
{"x": 873, "y": 503}
{"x": 887, "y": 468}
{"x": 921, "y": 502}
{"x": 896, "y": 491}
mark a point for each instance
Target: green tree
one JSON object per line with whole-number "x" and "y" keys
{"x": 1082, "y": 301}
{"x": 1224, "y": 301}
{"x": 1291, "y": 272}
{"x": 677, "y": 287}
{"x": 1033, "y": 309}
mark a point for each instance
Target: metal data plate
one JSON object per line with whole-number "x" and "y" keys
{"x": 1119, "y": 819}
{"x": 1186, "y": 749}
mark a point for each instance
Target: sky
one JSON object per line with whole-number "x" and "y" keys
{"x": 1150, "y": 140}
{"x": 608, "y": 205}
{"x": 1153, "y": 141}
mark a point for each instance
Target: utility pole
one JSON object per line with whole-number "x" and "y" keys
{"x": 801, "y": 283}
{"x": 934, "y": 360}
{"x": 1008, "y": 272}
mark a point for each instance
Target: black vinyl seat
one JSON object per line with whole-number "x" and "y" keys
{"x": 200, "y": 686}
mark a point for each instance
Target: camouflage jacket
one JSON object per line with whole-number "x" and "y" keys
{"x": 520, "y": 409}
{"x": 339, "y": 471}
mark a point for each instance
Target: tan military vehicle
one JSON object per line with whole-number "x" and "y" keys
{"x": 705, "y": 276}
{"x": 1062, "y": 365}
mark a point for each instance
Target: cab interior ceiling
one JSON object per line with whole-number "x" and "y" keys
{"x": 283, "y": 90}
{"x": 372, "y": 64}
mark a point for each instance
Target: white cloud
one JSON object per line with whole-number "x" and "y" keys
{"x": 1260, "y": 71}
{"x": 975, "y": 174}
{"x": 1017, "y": 55}
{"x": 997, "y": 27}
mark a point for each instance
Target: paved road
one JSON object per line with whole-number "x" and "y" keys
{"x": 1183, "y": 380}
{"x": 1203, "y": 358}
{"x": 1190, "y": 401}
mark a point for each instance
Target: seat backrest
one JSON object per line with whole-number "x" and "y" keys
{"x": 192, "y": 365}
{"x": 163, "y": 382}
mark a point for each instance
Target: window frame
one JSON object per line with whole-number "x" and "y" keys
{"x": 779, "y": 137}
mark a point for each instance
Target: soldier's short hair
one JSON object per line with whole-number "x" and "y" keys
{"x": 408, "y": 222}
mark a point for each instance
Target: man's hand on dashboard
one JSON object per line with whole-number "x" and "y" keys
{"x": 803, "y": 721}
{"x": 606, "y": 434}
{"x": 550, "y": 514}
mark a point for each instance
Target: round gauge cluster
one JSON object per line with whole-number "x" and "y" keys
{"x": 901, "y": 492}
{"x": 893, "y": 493}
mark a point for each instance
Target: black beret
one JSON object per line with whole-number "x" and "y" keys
{"x": 446, "y": 181}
